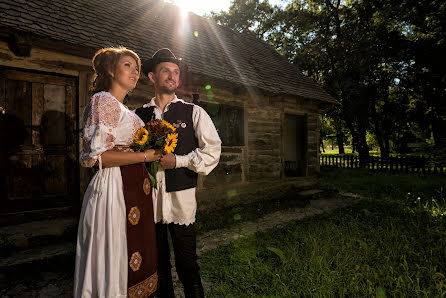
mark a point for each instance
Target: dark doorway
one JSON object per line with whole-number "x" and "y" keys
{"x": 295, "y": 145}
{"x": 38, "y": 151}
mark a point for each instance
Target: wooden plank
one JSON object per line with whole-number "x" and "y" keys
{"x": 2, "y": 95}
{"x": 37, "y": 103}
{"x": 18, "y": 106}
{"x": 71, "y": 125}
{"x": 36, "y": 112}
{"x": 36, "y": 77}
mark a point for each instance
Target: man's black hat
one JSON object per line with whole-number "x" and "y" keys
{"x": 162, "y": 55}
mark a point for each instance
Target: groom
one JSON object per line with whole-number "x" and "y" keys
{"x": 197, "y": 152}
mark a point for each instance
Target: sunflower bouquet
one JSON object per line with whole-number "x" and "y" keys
{"x": 156, "y": 134}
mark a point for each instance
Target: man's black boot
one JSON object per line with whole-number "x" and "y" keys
{"x": 194, "y": 289}
{"x": 165, "y": 287}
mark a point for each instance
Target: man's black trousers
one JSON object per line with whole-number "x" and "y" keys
{"x": 184, "y": 245}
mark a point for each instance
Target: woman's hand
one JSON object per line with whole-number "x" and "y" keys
{"x": 153, "y": 154}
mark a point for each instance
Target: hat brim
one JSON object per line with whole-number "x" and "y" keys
{"x": 149, "y": 64}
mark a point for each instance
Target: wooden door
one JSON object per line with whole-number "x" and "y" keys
{"x": 295, "y": 145}
{"x": 38, "y": 152}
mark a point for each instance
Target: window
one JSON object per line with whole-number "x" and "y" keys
{"x": 229, "y": 121}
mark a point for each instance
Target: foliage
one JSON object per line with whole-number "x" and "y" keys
{"x": 391, "y": 244}
{"x": 383, "y": 61}
{"x": 247, "y": 16}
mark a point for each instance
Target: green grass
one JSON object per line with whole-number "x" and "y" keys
{"x": 329, "y": 151}
{"x": 391, "y": 244}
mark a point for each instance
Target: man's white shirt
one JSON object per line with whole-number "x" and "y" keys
{"x": 180, "y": 206}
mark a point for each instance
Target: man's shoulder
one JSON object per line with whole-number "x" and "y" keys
{"x": 144, "y": 108}
{"x": 182, "y": 101}
{"x": 183, "y": 104}
{"x": 145, "y": 113}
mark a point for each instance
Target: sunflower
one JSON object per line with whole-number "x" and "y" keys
{"x": 170, "y": 143}
{"x": 168, "y": 125}
{"x": 141, "y": 136}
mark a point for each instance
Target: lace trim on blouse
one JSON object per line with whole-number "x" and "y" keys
{"x": 100, "y": 119}
{"x": 103, "y": 108}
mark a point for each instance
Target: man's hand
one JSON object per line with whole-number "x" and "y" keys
{"x": 168, "y": 161}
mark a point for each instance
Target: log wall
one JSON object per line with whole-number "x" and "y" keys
{"x": 259, "y": 158}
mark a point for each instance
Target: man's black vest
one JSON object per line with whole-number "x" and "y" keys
{"x": 179, "y": 113}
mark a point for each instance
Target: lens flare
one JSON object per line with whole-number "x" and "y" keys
{"x": 210, "y": 95}
{"x": 231, "y": 193}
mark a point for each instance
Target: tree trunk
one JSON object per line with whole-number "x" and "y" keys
{"x": 359, "y": 140}
{"x": 383, "y": 142}
{"x": 363, "y": 148}
{"x": 321, "y": 144}
{"x": 439, "y": 132}
{"x": 340, "y": 139}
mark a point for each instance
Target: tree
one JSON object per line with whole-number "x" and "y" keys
{"x": 370, "y": 55}
{"x": 247, "y": 16}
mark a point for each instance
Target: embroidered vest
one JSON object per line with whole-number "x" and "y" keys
{"x": 179, "y": 113}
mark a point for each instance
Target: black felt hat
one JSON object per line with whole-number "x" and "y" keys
{"x": 162, "y": 55}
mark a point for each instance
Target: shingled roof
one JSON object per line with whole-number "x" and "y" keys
{"x": 147, "y": 25}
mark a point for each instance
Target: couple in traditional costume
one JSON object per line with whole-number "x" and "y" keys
{"x": 122, "y": 246}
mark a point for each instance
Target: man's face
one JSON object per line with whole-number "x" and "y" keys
{"x": 166, "y": 77}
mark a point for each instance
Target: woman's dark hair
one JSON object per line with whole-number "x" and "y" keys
{"x": 104, "y": 64}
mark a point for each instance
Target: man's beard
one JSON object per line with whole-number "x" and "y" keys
{"x": 167, "y": 90}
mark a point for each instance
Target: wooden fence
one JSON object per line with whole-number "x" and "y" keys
{"x": 407, "y": 164}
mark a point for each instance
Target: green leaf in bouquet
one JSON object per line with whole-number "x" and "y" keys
{"x": 153, "y": 169}
{"x": 152, "y": 180}
{"x": 160, "y": 141}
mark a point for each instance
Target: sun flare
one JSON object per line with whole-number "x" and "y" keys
{"x": 201, "y": 7}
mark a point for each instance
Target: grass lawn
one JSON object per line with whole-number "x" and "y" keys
{"x": 391, "y": 244}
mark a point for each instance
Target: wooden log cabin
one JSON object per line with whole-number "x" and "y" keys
{"x": 266, "y": 111}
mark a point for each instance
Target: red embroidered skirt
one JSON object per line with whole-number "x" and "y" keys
{"x": 141, "y": 238}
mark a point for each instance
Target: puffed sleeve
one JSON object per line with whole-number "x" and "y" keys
{"x": 99, "y": 120}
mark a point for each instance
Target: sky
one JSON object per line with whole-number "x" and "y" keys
{"x": 202, "y": 7}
